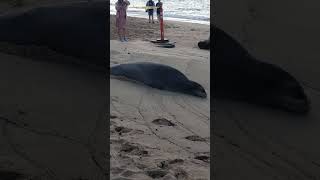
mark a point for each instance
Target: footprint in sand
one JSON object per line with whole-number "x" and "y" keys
{"x": 132, "y": 149}
{"x": 116, "y": 170}
{"x": 163, "y": 165}
{"x": 121, "y": 130}
{"x": 169, "y": 177}
{"x": 156, "y": 173}
{"x": 195, "y": 138}
{"x": 113, "y": 123}
{"x": 117, "y": 141}
{"x": 114, "y": 98}
{"x": 128, "y": 173}
{"x": 126, "y": 147}
{"x": 167, "y": 163}
{"x": 163, "y": 122}
{"x": 203, "y": 158}
{"x": 113, "y": 116}
{"x": 176, "y": 161}
{"x": 181, "y": 174}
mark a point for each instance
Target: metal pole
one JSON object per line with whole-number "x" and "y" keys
{"x": 162, "y": 41}
{"x": 161, "y": 24}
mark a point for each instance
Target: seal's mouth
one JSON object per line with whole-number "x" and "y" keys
{"x": 295, "y": 100}
{"x": 289, "y": 103}
{"x": 204, "y": 44}
{"x": 296, "y": 105}
{"x": 201, "y": 94}
{"x": 196, "y": 89}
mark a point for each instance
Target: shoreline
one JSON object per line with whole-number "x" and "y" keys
{"x": 188, "y": 34}
{"x": 170, "y": 19}
{"x": 195, "y": 12}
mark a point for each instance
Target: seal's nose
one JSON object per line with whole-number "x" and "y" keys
{"x": 204, "y": 44}
{"x": 201, "y": 94}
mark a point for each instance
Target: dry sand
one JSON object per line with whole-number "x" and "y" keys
{"x": 154, "y": 133}
{"x": 185, "y": 34}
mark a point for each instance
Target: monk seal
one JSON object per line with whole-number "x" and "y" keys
{"x": 205, "y": 44}
{"x": 240, "y": 76}
{"x": 159, "y": 76}
{"x": 75, "y": 29}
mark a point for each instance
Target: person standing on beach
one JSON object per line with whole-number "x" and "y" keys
{"x": 158, "y": 5}
{"x": 150, "y": 7}
{"x": 121, "y": 18}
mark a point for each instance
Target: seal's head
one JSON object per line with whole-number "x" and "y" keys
{"x": 196, "y": 90}
{"x": 286, "y": 93}
{"x": 204, "y": 44}
{"x": 294, "y": 98}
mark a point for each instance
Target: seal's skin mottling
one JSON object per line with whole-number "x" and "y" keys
{"x": 75, "y": 29}
{"x": 238, "y": 75}
{"x": 158, "y": 76}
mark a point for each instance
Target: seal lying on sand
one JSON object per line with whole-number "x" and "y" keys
{"x": 204, "y": 44}
{"x": 159, "y": 76}
{"x": 75, "y": 29}
{"x": 240, "y": 76}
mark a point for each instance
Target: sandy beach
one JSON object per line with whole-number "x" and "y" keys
{"x": 159, "y": 134}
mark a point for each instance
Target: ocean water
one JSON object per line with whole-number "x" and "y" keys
{"x": 193, "y": 11}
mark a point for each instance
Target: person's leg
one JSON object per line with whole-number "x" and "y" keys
{"x": 118, "y": 28}
{"x": 119, "y": 33}
{"x": 122, "y": 35}
{"x": 152, "y": 18}
{"x": 149, "y": 18}
{"x": 125, "y": 34}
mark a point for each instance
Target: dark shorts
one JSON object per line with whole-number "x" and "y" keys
{"x": 150, "y": 12}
